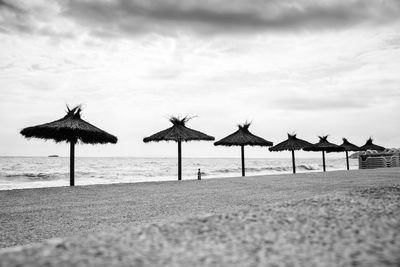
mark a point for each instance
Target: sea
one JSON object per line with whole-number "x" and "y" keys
{"x": 36, "y": 172}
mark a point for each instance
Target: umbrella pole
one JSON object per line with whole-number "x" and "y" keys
{"x": 72, "y": 164}
{"x": 179, "y": 160}
{"x": 243, "y": 168}
{"x": 323, "y": 160}
{"x": 293, "y": 162}
{"x": 347, "y": 160}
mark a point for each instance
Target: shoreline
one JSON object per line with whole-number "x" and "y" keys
{"x": 174, "y": 157}
{"x": 21, "y": 173}
{"x": 173, "y": 179}
{"x": 26, "y": 180}
{"x": 66, "y": 211}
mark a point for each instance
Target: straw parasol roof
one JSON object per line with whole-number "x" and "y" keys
{"x": 178, "y": 133}
{"x": 347, "y": 146}
{"x": 369, "y": 145}
{"x": 292, "y": 143}
{"x": 243, "y": 137}
{"x": 324, "y": 145}
{"x": 70, "y": 128}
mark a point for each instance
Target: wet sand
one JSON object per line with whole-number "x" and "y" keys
{"x": 34, "y": 215}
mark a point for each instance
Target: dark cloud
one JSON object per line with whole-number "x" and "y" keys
{"x": 13, "y": 18}
{"x": 110, "y": 19}
{"x": 9, "y": 6}
{"x": 31, "y": 18}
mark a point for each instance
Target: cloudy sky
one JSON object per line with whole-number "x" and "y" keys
{"x": 310, "y": 67}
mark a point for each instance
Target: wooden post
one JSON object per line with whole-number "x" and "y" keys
{"x": 293, "y": 162}
{"x": 347, "y": 160}
{"x": 72, "y": 164}
{"x": 243, "y": 168}
{"x": 179, "y": 160}
{"x": 323, "y": 160}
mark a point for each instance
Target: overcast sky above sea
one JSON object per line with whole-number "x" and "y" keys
{"x": 310, "y": 67}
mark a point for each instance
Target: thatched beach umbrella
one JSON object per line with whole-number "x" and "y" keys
{"x": 71, "y": 129}
{"x": 178, "y": 133}
{"x": 369, "y": 145}
{"x": 243, "y": 137}
{"x": 324, "y": 146}
{"x": 347, "y": 146}
{"x": 292, "y": 143}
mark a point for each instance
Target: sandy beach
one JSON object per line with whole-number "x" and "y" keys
{"x": 344, "y": 218}
{"x": 33, "y": 215}
{"x": 357, "y": 228}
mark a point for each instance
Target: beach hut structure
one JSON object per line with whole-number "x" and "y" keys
{"x": 369, "y": 145}
{"x": 243, "y": 137}
{"x": 178, "y": 133}
{"x": 291, "y": 144}
{"x": 71, "y": 129}
{"x": 347, "y": 146}
{"x": 324, "y": 146}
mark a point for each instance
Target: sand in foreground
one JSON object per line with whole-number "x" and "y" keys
{"x": 357, "y": 228}
{"x": 33, "y": 215}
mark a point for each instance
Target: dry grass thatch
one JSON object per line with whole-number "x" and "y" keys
{"x": 178, "y": 132}
{"x": 347, "y": 146}
{"x": 70, "y": 128}
{"x": 369, "y": 145}
{"x": 292, "y": 143}
{"x": 243, "y": 137}
{"x": 324, "y": 145}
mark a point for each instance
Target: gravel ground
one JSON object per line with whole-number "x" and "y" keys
{"x": 34, "y": 215}
{"x": 357, "y": 228}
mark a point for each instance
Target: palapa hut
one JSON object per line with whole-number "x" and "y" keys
{"x": 347, "y": 146}
{"x": 324, "y": 146}
{"x": 369, "y": 145}
{"x": 292, "y": 143}
{"x": 178, "y": 133}
{"x": 71, "y": 129}
{"x": 243, "y": 137}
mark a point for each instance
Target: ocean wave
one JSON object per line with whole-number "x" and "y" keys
{"x": 227, "y": 170}
{"x": 269, "y": 169}
{"x": 307, "y": 167}
{"x": 34, "y": 176}
{"x": 253, "y": 169}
